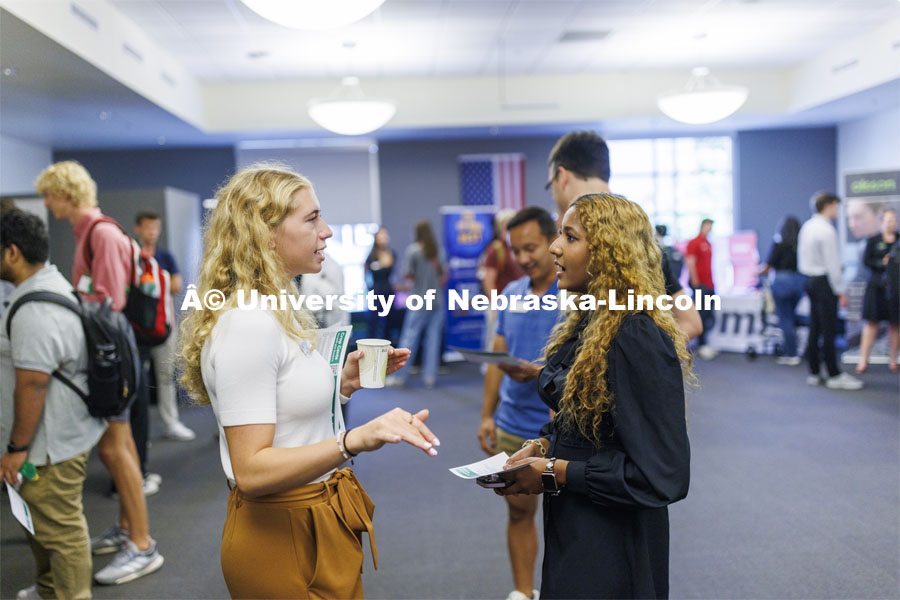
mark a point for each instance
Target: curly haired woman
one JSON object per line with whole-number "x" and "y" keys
{"x": 295, "y": 520}
{"x": 616, "y": 453}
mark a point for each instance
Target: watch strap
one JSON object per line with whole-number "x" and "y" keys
{"x": 13, "y": 449}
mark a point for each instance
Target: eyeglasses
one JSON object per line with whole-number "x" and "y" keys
{"x": 552, "y": 179}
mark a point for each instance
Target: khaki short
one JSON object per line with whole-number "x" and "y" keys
{"x": 508, "y": 442}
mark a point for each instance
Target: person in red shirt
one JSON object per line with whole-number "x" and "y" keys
{"x": 71, "y": 194}
{"x": 699, "y": 262}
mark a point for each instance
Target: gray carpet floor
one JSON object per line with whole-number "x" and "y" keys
{"x": 795, "y": 493}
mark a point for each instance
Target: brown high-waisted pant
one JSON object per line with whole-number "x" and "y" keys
{"x": 303, "y": 543}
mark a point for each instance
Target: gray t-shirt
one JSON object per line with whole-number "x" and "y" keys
{"x": 46, "y": 337}
{"x": 422, "y": 271}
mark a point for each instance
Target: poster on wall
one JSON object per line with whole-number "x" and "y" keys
{"x": 867, "y": 195}
{"x": 467, "y": 231}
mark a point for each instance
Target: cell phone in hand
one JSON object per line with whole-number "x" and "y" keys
{"x": 493, "y": 481}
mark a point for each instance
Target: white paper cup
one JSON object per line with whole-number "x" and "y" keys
{"x": 373, "y": 364}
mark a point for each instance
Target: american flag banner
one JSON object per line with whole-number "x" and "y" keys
{"x": 492, "y": 180}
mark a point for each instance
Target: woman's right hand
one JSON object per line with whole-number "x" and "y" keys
{"x": 393, "y": 427}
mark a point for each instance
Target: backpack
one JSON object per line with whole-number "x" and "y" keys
{"x": 146, "y": 306}
{"x": 113, "y": 360}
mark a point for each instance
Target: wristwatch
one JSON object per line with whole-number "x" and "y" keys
{"x": 13, "y": 449}
{"x": 548, "y": 478}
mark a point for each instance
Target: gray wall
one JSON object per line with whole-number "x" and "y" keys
{"x": 776, "y": 173}
{"x": 418, "y": 177}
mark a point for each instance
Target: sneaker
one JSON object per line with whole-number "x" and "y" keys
{"x": 843, "y": 382}
{"x": 707, "y": 352}
{"x": 517, "y": 595}
{"x": 791, "y": 361}
{"x": 430, "y": 383}
{"x": 112, "y": 540}
{"x": 394, "y": 381}
{"x": 180, "y": 433}
{"x": 813, "y": 380}
{"x": 151, "y": 484}
{"x": 29, "y": 593}
{"x": 129, "y": 564}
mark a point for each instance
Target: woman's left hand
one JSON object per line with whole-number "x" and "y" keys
{"x": 527, "y": 480}
{"x": 397, "y": 358}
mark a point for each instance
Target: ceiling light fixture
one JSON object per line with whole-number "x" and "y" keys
{"x": 702, "y": 100}
{"x": 349, "y": 112}
{"x": 313, "y": 14}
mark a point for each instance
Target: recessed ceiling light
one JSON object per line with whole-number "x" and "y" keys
{"x": 10, "y": 71}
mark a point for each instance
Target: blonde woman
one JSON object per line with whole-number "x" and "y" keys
{"x": 616, "y": 453}
{"x": 295, "y": 518}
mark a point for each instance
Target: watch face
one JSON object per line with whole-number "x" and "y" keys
{"x": 549, "y": 482}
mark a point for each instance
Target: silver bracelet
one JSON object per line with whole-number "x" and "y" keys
{"x": 539, "y": 444}
{"x": 340, "y": 444}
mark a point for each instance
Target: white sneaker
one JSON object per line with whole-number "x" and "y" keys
{"x": 111, "y": 540}
{"x": 843, "y": 382}
{"x": 813, "y": 380}
{"x": 29, "y": 593}
{"x": 151, "y": 484}
{"x": 394, "y": 381}
{"x": 707, "y": 352}
{"x": 791, "y": 361}
{"x": 180, "y": 433}
{"x": 517, "y": 595}
{"x": 129, "y": 564}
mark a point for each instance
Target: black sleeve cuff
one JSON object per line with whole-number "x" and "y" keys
{"x": 575, "y": 480}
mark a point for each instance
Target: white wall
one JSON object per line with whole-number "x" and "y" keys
{"x": 20, "y": 164}
{"x": 870, "y": 144}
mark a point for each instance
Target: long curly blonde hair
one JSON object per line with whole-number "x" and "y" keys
{"x": 238, "y": 255}
{"x": 623, "y": 257}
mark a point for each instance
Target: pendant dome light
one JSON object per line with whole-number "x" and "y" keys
{"x": 702, "y": 100}
{"x": 313, "y": 14}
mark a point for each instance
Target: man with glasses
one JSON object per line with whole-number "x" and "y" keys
{"x": 579, "y": 165}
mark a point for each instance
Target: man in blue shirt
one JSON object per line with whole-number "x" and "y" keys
{"x": 512, "y": 411}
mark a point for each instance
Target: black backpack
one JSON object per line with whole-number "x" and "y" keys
{"x": 113, "y": 359}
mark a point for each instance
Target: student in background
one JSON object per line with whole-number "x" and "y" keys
{"x": 45, "y": 422}
{"x": 426, "y": 270}
{"x": 513, "y": 412}
{"x": 699, "y": 262}
{"x": 788, "y": 286}
{"x": 879, "y": 304}
{"x": 497, "y": 270}
{"x": 818, "y": 259}
{"x": 70, "y": 194}
{"x": 379, "y": 268}
{"x": 147, "y": 228}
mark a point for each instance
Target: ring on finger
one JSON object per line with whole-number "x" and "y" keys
{"x": 411, "y": 418}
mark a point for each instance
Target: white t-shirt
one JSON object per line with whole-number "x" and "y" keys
{"x": 255, "y": 373}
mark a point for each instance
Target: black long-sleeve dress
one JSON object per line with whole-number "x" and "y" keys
{"x": 607, "y": 534}
{"x": 880, "y": 302}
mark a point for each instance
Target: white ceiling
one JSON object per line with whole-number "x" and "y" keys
{"x": 807, "y": 62}
{"x": 217, "y": 40}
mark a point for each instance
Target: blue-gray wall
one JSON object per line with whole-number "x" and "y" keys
{"x": 198, "y": 170}
{"x": 776, "y": 173}
{"x": 418, "y": 177}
